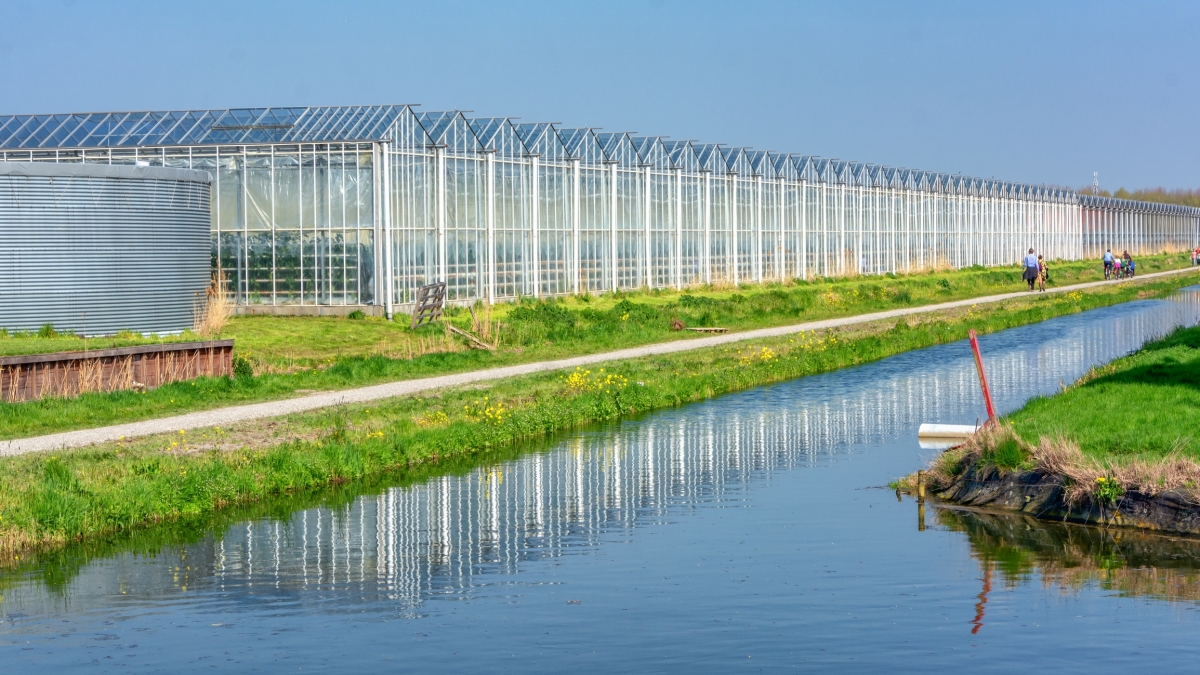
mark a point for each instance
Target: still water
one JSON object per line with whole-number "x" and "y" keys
{"x": 745, "y": 533}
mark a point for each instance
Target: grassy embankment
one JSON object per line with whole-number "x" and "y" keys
{"x": 47, "y": 500}
{"x": 1131, "y": 424}
{"x": 291, "y": 356}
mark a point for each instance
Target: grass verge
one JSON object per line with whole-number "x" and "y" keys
{"x": 1130, "y": 424}
{"x": 47, "y": 500}
{"x": 290, "y": 356}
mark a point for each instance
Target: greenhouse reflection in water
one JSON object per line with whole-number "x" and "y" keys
{"x": 454, "y": 534}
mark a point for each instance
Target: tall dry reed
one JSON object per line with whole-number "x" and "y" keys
{"x": 484, "y": 326}
{"x": 211, "y": 313}
{"x": 1063, "y": 458}
{"x": 940, "y": 265}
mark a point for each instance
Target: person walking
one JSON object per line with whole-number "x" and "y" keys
{"x": 1031, "y": 269}
{"x": 1043, "y": 274}
{"x": 1108, "y": 264}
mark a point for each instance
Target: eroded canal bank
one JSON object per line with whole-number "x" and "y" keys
{"x": 735, "y": 534}
{"x": 1115, "y": 448}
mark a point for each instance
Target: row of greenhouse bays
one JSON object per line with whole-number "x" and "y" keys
{"x": 1139, "y": 233}
{"x": 846, "y": 229}
{"x": 295, "y": 225}
{"x": 292, "y": 224}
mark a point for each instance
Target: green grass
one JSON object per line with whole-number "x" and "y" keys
{"x": 49, "y": 499}
{"x": 1008, "y": 455}
{"x": 590, "y": 322}
{"x": 534, "y": 330}
{"x": 1141, "y": 407}
{"x": 295, "y": 355}
{"x": 49, "y": 340}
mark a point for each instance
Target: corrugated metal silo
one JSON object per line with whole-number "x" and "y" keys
{"x": 97, "y": 248}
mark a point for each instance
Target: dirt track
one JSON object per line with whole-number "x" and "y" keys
{"x": 223, "y": 417}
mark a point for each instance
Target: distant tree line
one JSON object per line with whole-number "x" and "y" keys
{"x": 1183, "y": 197}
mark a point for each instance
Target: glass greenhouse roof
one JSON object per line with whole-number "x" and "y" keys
{"x": 198, "y": 127}
{"x": 419, "y": 130}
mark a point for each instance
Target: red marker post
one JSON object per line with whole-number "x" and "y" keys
{"x": 987, "y": 395}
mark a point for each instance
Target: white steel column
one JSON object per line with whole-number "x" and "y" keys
{"x": 216, "y": 197}
{"x": 938, "y": 199}
{"x": 802, "y": 263}
{"x": 1127, "y": 218}
{"x": 841, "y": 207}
{"x": 858, "y": 252}
{"x": 377, "y": 219}
{"x": 613, "y": 222}
{"x": 997, "y": 223}
{"x": 388, "y": 267}
{"x": 993, "y": 211}
{"x": 1110, "y": 227}
{"x": 439, "y": 159}
{"x": 876, "y": 197}
{"x": 274, "y": 242}
{"x": 989, "y": 226}
{"x": 1052, "y": 231}
{"x": 781, "y": 223}
{"x": 244, "y": 272}
{"x": 647, "y": 200}
{"x": 490, "y": 223}
{"x": 823, "y": 227}
{"x": 919, "y": 217}
{"x": 891, "y": 227}
{"x": 732, "y": 205}
{"x": 706, "y": 254}
{"x": 1115, "y": 232}
{"x": 758, "y": 217}
{"x": 342, "y": 189}
{"x": 678, "y": 177}
{"x": 1138, "y": 232}
{"x": 1059, "y": 243}
{"x": 575, "y": 227}
{"x": 1053, "y": 234}
{"x": 535, "y": 255}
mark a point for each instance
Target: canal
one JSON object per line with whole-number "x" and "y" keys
{"x": 750, "y": 532}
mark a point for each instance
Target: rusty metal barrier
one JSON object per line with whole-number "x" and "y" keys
{"x": 67, "y": 374}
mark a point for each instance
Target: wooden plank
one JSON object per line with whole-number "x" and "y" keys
{"x": 475, "y": 342}
{"x": 116, "y": 351}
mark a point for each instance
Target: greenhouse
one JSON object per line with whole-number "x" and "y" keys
{"x": 358, "y": 207}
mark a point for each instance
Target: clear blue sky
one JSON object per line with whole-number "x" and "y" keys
{"x": 1044, "y": 92}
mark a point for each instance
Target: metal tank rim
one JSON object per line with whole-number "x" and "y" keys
{"x": 120, "y": 171}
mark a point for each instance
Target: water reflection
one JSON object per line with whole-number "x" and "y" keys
{"x": 1019, "y": 549}
{"x": 452, "y": 535}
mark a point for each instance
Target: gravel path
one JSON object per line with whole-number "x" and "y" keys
{"x": 223, "y": 417}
